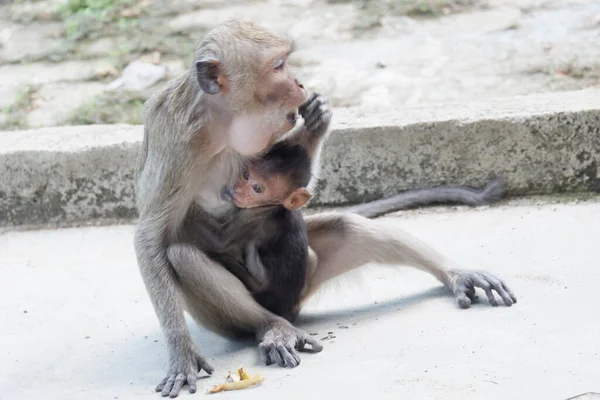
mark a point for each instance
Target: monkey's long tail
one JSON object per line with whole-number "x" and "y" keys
{"x": 492, "y": 192}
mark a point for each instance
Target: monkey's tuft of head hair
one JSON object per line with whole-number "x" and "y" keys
{"x": 291, "y": 161}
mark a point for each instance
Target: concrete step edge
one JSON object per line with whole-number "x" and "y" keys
{"x": 540, "y": 144}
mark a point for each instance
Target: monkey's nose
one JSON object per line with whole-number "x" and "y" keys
{"x": 299, "y": 84}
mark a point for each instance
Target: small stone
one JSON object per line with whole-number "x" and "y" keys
{"x": 175, "y": 68}
{"x": 152, "y": 58}
{"x": 108, "y": 70}
{"x": 138, "y": 76}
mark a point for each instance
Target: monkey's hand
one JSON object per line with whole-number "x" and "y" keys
{"x": 316, "y": 113}
{"x": 184, "y": 369}
{"x": 280, "y": 341}
{"x": 463, "y": 284}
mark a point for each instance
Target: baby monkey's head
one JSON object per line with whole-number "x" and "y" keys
{"x": 279, "y": 177}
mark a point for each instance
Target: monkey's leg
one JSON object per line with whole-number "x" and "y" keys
{"x": 218, "y": 300}
{"x": 344, "y": 242}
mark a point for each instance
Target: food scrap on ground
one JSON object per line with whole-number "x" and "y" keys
{"x": 237, "y": 380}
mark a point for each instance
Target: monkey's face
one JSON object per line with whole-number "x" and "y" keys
{"x": 253, "y": 88}
{"x": 254, "y": 190}
{"x": 267, "y": 105}
{"x": 280, "y": 92}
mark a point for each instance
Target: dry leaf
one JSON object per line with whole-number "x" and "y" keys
{"x": 240, "y": 379}
{"x": 108, "y": 70}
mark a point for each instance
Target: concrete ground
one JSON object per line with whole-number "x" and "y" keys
{"x": 77, "y": 323}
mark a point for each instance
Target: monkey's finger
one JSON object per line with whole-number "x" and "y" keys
{"x": 313, "y": 121}
{"x": 162, "y": 384}
{"x": 318, "y": 107}
{"x": 177, "y": 385}
{"x": 203, "y": 365}
{"x": 168, "y": 386}
{"x": 276, "y": 357}
{"x": 318, "y": 121}
{"x": 290, "y": 358}
{"x": 263, "y": 351}
{"x": 315, "y": 347}
{"x": 510, "y": 292}
{"x": 470, "y": 292}
{"x": 191, "y": 381}
{"x": 503, "y": 294}
{"x": 490, "y": 295}
{"x": 295, "y": 358}
{"x": 312, "y": 107}
{"x": 304, "y": 105}
{"x": 462, "y": 299}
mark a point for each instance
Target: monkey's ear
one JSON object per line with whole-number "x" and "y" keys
{"x": 209, "y": 76}
{"x": 297, "y": 199}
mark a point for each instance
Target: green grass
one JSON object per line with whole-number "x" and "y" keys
{"x": 109, "y": 109}
{"x": 90, "y": 19}
{"x": 17, "y": 112}
{"x": 372, "y": 11}
{"x": 71, "y": 7}
{"x": 415, "y": 7}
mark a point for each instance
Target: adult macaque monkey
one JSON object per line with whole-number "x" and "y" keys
{"x": 237, "y": 99}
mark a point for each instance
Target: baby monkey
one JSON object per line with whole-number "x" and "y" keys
{"x": 278, "y": 178}
{"x": 269, "y": 196}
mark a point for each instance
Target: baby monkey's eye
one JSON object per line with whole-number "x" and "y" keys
{"x": 257, "y": 188}
{"x": 246, "y": 175}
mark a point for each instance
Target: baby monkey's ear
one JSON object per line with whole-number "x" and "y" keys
{"x": 297, "y": 199}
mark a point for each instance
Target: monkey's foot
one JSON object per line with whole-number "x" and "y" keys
{"x": 281, "y": 340}
{"x": 463, "y": 284}
{"x": 183, "y": 370}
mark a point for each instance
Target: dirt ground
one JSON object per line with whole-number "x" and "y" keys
{"x": 59, "y": 58}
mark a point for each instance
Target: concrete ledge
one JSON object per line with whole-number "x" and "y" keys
{"x": 540, "y": 144}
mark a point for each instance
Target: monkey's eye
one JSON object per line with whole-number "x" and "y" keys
{"x": 279, "y": 64}
{"x": 246, "y": 175}
{"x": 257, "y": 188}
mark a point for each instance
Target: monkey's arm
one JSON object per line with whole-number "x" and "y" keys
{"x": 426, "y": 196}
{"x": 184, "y": 359}
{"x": 255, "y": 267}
{"x": 162, "y": 196}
